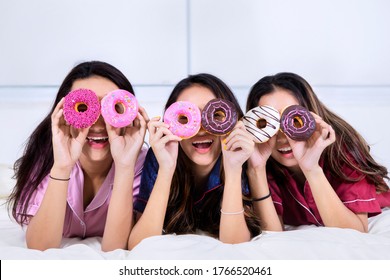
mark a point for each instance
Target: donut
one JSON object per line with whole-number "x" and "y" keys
{"x": 81, "y": 108}
{"x": 219, "y": 116}
{"x": 119, "y": 108}
{"x": 262, "y": 122}
{"x": 183, "y": 118}
{"x": 297, "y": 123}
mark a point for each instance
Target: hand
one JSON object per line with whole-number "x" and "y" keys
{"x": 126, "y": 143}
{"x": 237, "y": 147}
{"x": 261, "y": 154}
{"x": 164, "y": 143}
{"x": 66, "y": 147}
{"x": 308, "y": 153}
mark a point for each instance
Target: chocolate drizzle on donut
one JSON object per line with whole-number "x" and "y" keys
{"x": 297, "y": 123}
{"x": 219, "y": 116}
{"x": 262, "y": 122}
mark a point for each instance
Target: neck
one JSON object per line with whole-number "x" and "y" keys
{"x": 202, "y": 173}
{"x": 94, "y": 169}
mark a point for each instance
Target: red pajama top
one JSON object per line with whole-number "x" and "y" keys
{"x": 297, "y": 206}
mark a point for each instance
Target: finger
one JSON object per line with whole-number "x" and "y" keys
{"x": 144, "y": 114}
{"x": 331, "y": 137}
{"x": 237, "y": 142}
{"x": 142, "y": 123}
{"x": 114, "y": 132}
{"x": 82, "y": 135}
{"x": 238, "y": 130}
{"x": 154, "y": 125}
{"x": 161, "y": 132}
{"x": 59, "y": 105}
{"x": 162, "y": 142}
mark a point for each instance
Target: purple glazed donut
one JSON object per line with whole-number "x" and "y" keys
{"x": 297, "y": 123}
{"x": 219, "y": 116}
{"x": 81, "y": 108}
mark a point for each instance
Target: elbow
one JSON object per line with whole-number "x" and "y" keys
{"x": 42, "y": 246}
{"x": 234, "y": 239}
{"x": 131, "y": 244}
{"x": 107, "y": 248}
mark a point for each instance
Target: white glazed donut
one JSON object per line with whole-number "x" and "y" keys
{"x": 262, "y": 122}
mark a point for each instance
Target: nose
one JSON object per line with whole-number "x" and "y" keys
{"x": 280, "y": 137}
{"x": 201, "y": 131}
{"x": 99, "y": 125}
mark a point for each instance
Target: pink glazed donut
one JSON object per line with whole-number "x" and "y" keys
{"x": 183, "y": 118}
{"x": 81, "y": 108}
{"x": 119, "y": 108}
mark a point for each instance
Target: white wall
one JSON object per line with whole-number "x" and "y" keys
{"x": 340, "y": 47}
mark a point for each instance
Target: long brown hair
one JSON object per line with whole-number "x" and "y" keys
{"x": 37, "y": 159}
{"x": 350, "y": 149}
{"x": 182, "y": 215}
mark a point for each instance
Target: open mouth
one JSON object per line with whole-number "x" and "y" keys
{"x": 98, "y": 140}
{"x": 285, "y": 150}
{"x": 202, "y": 144}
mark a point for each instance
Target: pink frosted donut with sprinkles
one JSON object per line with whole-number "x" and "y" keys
{"x": 81, "y": 108}
{"x": 119, "y": 108}
{"x": 297, "y": 123}
{"x": 219, "y": 116}
{"x": 183, "y": 118}
{"x": 262, "y": 122}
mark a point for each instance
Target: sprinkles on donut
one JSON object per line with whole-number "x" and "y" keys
{"x": 183, "y": 118}
{"x": 297, "y": 123}
{"x": 119, "y": 108}
{"x": 81, "y": 108}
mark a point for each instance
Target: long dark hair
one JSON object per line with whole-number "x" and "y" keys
{"x": 349, "y": 149}
{"x": 182, "y": 215}
{"x": 37, "y": 159}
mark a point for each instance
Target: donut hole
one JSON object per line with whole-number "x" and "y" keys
{"x": 182, "y": 119}
{"x": 261, "y": 123}
{"x": 219, "y": 116}
{"x": 297, "y": 122}
{"x": 81, "y": 107}
{"x": 119, "y": 108}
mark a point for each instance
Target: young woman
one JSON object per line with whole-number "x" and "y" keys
{"x": 329, "y": 180}
{"x": 196, "y": 184}
{"x": 80, "y": 182}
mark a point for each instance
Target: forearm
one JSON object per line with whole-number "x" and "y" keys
{"x": 233, "y": 227}
{"x": 46, "y": 227}
{"x": 120, "y": 211}
{"x": 264, "y": 209}
{"x": 152, "y": 220}
{"x": 333, "y": 212}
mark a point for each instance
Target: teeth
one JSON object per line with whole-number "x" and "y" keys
{"x": 202, "y": 142}
{"x": 97, "y": 138}
{"x": 287, "y": 149}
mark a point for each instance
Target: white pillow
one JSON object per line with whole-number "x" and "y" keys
{"x": 6, "y": 181}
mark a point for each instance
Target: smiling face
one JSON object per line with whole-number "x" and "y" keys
{"x": 280, "y": 99}
{"x": 97, "y": 147}
{"x": 203, "y": 149}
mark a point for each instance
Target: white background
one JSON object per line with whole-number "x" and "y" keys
{"x": 341, "y": 47}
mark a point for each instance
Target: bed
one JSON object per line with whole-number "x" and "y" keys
{"x": 301, "y": 243}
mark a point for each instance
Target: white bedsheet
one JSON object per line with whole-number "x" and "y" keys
{"x": 304, "y": 243}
